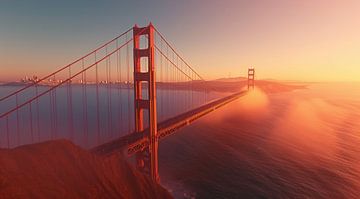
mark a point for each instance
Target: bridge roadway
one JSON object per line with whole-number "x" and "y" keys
{"x": 135, "y": 142}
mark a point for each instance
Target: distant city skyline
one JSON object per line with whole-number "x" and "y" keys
{"x": 285, "y": 40}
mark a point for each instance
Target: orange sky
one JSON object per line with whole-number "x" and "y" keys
{"x": 288, "y": 40}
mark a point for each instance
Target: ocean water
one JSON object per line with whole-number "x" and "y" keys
{"x": 299, "y": 144}
{"x": 42, "y": 122}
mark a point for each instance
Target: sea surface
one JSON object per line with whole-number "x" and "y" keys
{"x": 93, "y": 117}
{"x": 299, "y": 144}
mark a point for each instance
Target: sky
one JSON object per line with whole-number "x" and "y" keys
{"x": 305, "y": 40}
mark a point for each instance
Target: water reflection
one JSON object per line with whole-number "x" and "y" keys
{"x": 285, "y": 145}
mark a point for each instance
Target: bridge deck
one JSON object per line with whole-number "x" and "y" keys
{"x": 135, "y": 142}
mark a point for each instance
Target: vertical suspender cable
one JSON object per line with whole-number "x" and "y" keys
{"x": 17, "y": 120}
{"x": 55, "y": 111}
{"x": 84, "y": 101}
{"x": 51, "y": 114}
{"x": 97, "y": 100}
{"x": 110, "y": 99}
{"x": 118, "y": 68}
{"x": 7, "y": 132}
{"x": 37, "y": 113}
{"x": 128, "y": 86}
{"x": 70, "y": 113}
{"x": 31, "y": 123}
{"x": 108, "y": 93}
{"x": 162, "y": 83}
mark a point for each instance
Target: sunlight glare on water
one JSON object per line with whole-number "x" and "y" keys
{"x": 299, "y": 144}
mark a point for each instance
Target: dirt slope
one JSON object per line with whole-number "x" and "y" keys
{"x": 59, "y": 169}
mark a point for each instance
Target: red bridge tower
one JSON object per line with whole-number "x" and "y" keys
{"x": 251, "y": 78}
{"x": 147, "y": 159}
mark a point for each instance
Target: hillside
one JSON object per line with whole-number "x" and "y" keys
{"x": 59, "y": 169}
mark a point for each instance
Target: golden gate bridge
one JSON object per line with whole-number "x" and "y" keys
{"x": 125, "y": 95}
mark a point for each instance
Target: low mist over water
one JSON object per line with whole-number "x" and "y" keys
{"x": 300, "y": 144}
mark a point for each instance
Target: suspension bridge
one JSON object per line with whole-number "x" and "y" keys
{"x": 125, "y": 95}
